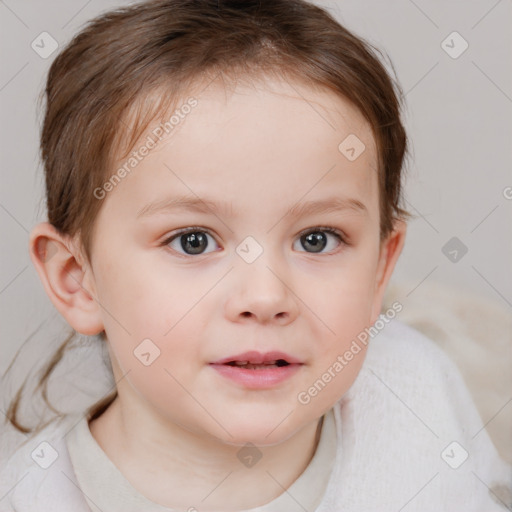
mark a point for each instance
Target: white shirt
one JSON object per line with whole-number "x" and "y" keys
{"x": 405, "y": 437}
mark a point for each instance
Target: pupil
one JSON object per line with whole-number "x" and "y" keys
{"x": 194, "y": 243}
{"x": 316, "y": 240}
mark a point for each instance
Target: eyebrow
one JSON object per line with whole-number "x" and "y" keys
{"x": 195, "y": 204}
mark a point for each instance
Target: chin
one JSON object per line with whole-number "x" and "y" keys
{"x": 262, "y": 433}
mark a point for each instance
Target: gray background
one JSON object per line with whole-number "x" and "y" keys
{"x": 458, "y": 118}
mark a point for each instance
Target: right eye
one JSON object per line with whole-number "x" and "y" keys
{"x": 192, "y": 241}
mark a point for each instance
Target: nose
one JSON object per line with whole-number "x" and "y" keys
{"x": 261, "y": 293}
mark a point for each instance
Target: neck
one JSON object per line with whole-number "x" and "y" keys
{"x": 175, "y": 467}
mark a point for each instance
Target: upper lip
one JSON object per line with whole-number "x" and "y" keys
{"x": 255, "y": 357}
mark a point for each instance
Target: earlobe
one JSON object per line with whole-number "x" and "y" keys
{"x": 389, "y": 254}
{"x": 62, "y": 271}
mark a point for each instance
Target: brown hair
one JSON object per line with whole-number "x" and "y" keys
{"x": 131, "y": 65}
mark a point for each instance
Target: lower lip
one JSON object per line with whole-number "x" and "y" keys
{"x": 258, "y": 378}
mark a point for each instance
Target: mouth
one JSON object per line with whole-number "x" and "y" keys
{"x": 254, "y": 360}
{"x": 256, "y": 370}
{"x": 247, "y": 365}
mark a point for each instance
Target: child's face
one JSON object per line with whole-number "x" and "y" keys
{"x": 257, "y": 153}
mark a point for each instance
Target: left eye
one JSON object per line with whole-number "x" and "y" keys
{"x": 191, "y": 242}
{"x": 317, "y": 239}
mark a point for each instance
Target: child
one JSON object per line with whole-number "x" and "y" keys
{"x": 223, "y": 184}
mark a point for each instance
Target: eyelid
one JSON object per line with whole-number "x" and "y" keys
{"x": 184, "y": 231}
{"x": 328, "y": 229}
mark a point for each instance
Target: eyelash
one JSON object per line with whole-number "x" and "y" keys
{"x": 193, "y": 229}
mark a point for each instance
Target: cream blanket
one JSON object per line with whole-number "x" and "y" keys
{"x": 477, "y": 335}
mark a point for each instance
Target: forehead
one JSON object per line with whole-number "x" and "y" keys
{"x": 278, "y": 109}
{"x": 275, "y": 139}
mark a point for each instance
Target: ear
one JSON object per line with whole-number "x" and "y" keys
{"x": 66, "y": 277}
{"x": 390, "y": 250}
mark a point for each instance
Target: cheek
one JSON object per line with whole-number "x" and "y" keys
{"x": 343, "y": 299}
{"x": 343, "y": 306}
{"x": 155, "y": 351}
{"x": 162, "y": 369}
{"x": 154, "y": 320}
{"x": 148, "y": 298}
